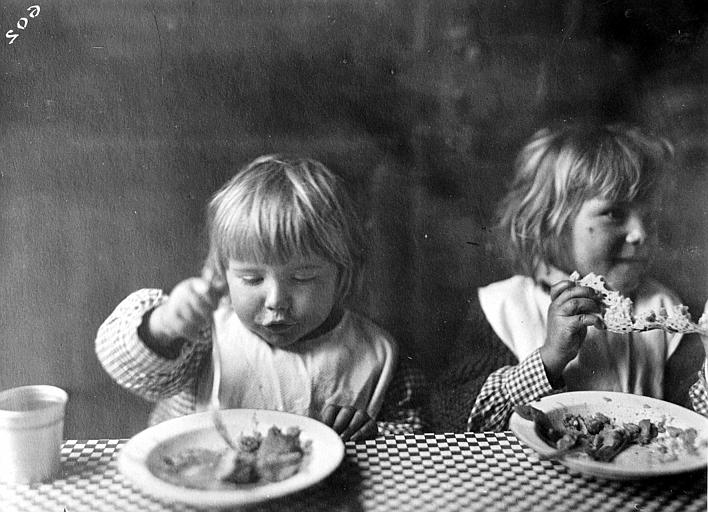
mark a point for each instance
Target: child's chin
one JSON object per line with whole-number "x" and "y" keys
{"x": 279, "y": 341}
{"x": 627, "y": 285}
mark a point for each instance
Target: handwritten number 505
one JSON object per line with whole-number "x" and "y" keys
{"x": 22, "y": 23}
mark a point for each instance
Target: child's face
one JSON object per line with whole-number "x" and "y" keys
{"x": 282, "y": 303}
{"x": 614, "y": 239}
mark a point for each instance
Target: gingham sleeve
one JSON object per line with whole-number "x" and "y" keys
{"x": 506, "y": 388}
{"x": 133, "y": 365}
{"x": 699, "y": 392}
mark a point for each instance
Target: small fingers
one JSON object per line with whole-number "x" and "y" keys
{"x": 560, "y": 287}
{"x": 368, "y": 431}
{"x": 204, "y": 293}
{"x": 356, "y": 422}
{"x": 564, "y": 290}
{"x": 344, "y": 417}
{"x": 217, "y": 286}
{"x": 349, "y": 422}
{"x": 329, "y": 414}
{"x": 585, "y": 320}
{"x": 194, "y": 307}
{"x": 596, "y": 319}
{"x": 578, "y": 306}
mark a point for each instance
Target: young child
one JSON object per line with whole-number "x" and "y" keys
{"x": 285, "y": 253}
{"x": 583, "y": 198}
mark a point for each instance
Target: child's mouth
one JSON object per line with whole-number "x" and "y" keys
{"x": 279, "y": 327}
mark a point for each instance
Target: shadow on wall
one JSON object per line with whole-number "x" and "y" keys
{"x": 118, "y": 120}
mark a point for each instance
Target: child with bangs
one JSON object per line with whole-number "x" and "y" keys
{"x": 584, "y": 198}
{"x": 286, "y": 252}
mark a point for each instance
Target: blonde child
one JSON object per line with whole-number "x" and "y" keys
{"x": 285, "y": 253}
{"x": 585, "y": 198}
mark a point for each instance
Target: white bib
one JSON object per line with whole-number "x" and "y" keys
{"x": 351, "y": 365}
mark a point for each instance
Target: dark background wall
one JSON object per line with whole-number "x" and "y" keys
{"x": 119, "y": 119}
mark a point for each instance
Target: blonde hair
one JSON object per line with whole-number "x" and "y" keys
{"x": 277, "y": 207}
{"x": 559, "y": 169}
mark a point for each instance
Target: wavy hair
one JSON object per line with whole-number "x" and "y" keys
{"x": 559, "y": 169}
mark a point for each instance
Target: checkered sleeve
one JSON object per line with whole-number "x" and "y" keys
{"x": 506, "y": 388}
{"x": 400, "y": 412}
{"x": 699, "y": 392}
{"x": 133, "y": 365}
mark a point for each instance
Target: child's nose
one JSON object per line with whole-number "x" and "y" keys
{"x": 637, "y": 229}
{"x": 277, "y": 297}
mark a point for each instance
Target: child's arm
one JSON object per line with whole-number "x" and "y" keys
{"x": 573, "y": 309}
{"x": 506, "y": 388}
{"x": 153, "y": 345}
{"x": 134, "y": 365}
{"x": 485, "y": 381}
{"x": 699, "y": 392}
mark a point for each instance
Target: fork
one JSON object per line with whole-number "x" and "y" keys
{"x": 216, "y": 287}
{"x": 214, "y": 401}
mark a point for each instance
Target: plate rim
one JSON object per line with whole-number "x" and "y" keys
{"x": 133, "y": 457}
{"x": 519, "y": 427}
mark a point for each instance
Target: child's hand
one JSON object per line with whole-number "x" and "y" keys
{"x": 187, "y": 310}
{"x": 573, "y": 309}
{"x": 350, "y": 423}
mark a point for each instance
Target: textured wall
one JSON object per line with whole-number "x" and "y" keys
{"x": 118, "y": 119}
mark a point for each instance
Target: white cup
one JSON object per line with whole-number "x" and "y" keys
{"x": 31, "y": 433}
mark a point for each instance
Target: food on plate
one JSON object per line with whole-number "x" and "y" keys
{"x": 618, "y": 314}
{"x": 602, "y": 438}
{"x": 259, "y": 459}
{"x": 272, "y": 458}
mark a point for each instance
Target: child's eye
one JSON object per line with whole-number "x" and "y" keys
{"x": 251, "y": 280}
{"x": 616, "y": 214}
{"x": 304, "y": 277}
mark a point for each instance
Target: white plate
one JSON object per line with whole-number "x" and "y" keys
{"x": 636, "y": 461}
{"x": 138, "y": 459}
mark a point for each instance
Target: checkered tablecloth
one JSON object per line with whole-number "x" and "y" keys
{"x": 453, "y": 472}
